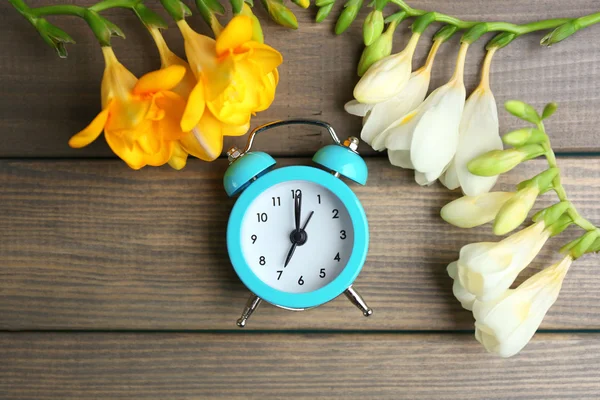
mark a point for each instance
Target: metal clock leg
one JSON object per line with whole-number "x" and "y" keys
{"x": 251, "y": 305}
{"x": 358, "y": 301}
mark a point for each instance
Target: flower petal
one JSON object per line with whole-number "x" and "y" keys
{"x": 163, "y": 79}
{"x": 194, "y": 108}
{"x": 206, "y": 140}
{"x": 178, "y": 158}
{"x": 237, "y": 32}
{"x": 90, "y": 132}
{"x": 400, "y": 158}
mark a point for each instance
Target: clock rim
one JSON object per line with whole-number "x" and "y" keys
{"x": 299, "y": 301}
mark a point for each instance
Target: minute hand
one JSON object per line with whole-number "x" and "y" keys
{"x": 295, "y": 244}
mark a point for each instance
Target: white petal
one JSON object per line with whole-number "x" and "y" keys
{"x": 400, "y": 158}
{"x": 450, "y": 178}
{"x": 386, "y": 113}
{"x": 357, "y": 108}
{"x": 478, "y": 134}
{"x": 422, "y": 180}
{"x": 435, "y": 137}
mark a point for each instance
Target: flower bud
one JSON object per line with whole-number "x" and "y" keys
{"x": 472, "y": 211}
{"x": 373, "y": 27}
{"x": 500, "y": 40}
{"x": 580, "y": 246}
{"x": 149, "y": 17}
{"x": 323, "y": 3}
{"x": 514, "y": 211}
{"x": 257, "y": 33}
{"x": 522, "y": 110}
{"x": 380, "y": 48}
{"x": 562, "y": 223}
{"x": 302, "y": 3}
{"x": 281, "y": 14}
{"x": 348, "y": 15}
{"x": 524, "y": 136}
{"x": 324, "y": 12}
{"x": 495, "y": 162}
{"x": 549, "y": 110}
{"x": 560, "y": 33}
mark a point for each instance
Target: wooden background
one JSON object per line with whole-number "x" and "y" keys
{"x": 116, "y": 284}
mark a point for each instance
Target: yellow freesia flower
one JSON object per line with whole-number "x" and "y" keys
{"x": 139, "y": 117}
{"x": 205, "y": 140}
{"x": 236, "y": 76}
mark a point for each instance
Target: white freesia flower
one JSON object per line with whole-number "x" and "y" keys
{"x": 478, "y": 134}
{"x": 488, "y": 269}
{"x": 426, "y": 139}
{"x": 388, "y": 76}
{"x": 472, "y": 211}
{"x": 466, "y": 299}
{"x": 505, "y": 325}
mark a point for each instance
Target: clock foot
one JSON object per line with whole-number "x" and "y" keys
{"x": 358, "y": 301}
{"x": 252, "y": 304}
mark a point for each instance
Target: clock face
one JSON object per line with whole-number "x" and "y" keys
{"x": 322, "y": 254}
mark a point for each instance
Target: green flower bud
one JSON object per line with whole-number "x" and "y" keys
{"x": 551, "y": 214}
{"x": 214, "y": 5}
{"x": 495, "y": 162}
{"x": 302, "y": 3}
{"x": 524, "y": 136}
{"x": 348, "y": 15}
{"x": 257, "y": 33}
{"x": 514, "y": 211}
{"x": 323, "y": 12}
{"x": 53, "y": 35}
{"x": 595, "y": 247}
{"x": 98, "y": 25}
{"x": 373, "y": 27}
{"x": 445, "y": 33}
{"x": 381, "y": 47}
{"x": 421, "y": 23}
{"x": 560, "y": 33}
{"x": 323, "y": 3}
{"x": 281, "y": 14}
{"x": 522, "y": 110}
{"x": 549, "y": 110}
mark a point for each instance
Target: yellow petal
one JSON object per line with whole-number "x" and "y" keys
{"x": 90, "y": 132}
{"x": 237, "y": 32}
{"x": 235, "y": 130}
{"x": 194, "y": 108}
{"x": 163, "y": 79}
{"x": 173, "y": 105}
{"x": 178, "y": 158}
{"x": 206, "y": 140}
{"x": 134, "y": 156}
{"x": 163, "y": 155}
{"x": 264, "y": 56}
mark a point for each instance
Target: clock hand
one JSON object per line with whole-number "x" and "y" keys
{"x": 298, "y": 209}
{"x": 301, "y": 240}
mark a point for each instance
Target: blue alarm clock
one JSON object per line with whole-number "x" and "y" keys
{"x": 297, "y": 236}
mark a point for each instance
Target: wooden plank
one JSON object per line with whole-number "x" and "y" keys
{"x": 301, "y": 366}
{"x": 95, "y": 245}
{"x": 46, "y": 100}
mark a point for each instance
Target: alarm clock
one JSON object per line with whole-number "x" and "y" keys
{"x": 297, "y": 236}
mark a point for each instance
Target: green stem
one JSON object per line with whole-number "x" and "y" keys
{"x": 559, "y": 188}
{"x": 498, "y": 26}
{"x": 58, "y": 10}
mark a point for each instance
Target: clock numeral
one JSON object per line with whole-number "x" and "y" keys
{"x": 337, "y": 257}
{"x": 322, "y": 273}
{"x": 342, "y": 234}
{"x": 319, "y": 198}
{"x": 279, "y": 272}
{"x": 295, "y": 192}
{"x": 253, "y": 237}
{"x": 300, "y": 281}
{"x": 276, "y": 201}
{"x": 262, "y": 217}
{"x": 262, "y": 260}
{"x": 336, "y": 213}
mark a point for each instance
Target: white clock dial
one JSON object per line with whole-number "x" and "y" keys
{"x": 269, "y": 222}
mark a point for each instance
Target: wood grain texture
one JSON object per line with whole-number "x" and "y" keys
{"x": 95, "y": 245}
{"x": 46, "y": 100}
{"x": 294, "y": 366}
